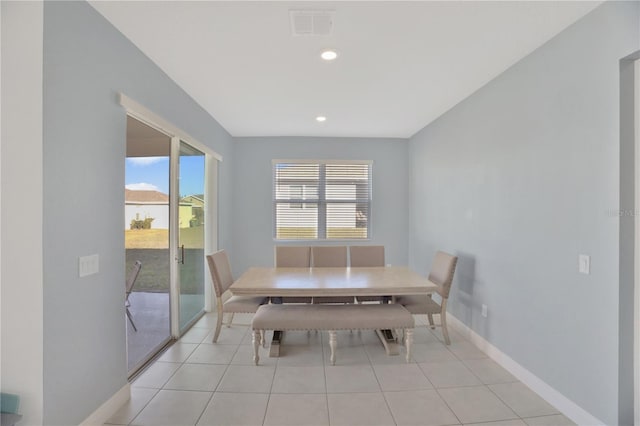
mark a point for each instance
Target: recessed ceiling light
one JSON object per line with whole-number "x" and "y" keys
{"x": 329, "y": 54}
{"x": 321, "y": 118}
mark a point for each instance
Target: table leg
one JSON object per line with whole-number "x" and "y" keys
{"x": 274, "y": 350}
{"x": 388, "y": 339}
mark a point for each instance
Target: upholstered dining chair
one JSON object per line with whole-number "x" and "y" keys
{"x": 363, "y": 257}
{"x": 441, "y": 274}
{"x": 330, "y": 257}
{"x": 293, "y": 257}
{"x": 222, "y": 278}
{"x": 131, "y": 280}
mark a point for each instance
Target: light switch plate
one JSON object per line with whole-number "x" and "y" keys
{"x": 584, "y": 264}
{"x": 88, "y": 265}
{"x": 484, "y": 310}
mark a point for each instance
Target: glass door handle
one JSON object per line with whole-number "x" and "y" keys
{"x": 182, "y": 254}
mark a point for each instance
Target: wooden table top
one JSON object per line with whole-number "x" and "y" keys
{"x": 378, "y": 281}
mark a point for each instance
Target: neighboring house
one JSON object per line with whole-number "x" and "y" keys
{"x": 139, "y": 205}
{"x": 191, "y": 211}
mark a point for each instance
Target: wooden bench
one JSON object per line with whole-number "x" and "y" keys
{"x": 331, "y": 318}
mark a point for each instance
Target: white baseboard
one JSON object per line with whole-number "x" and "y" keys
{"x": 109, "y": 408}
{"x": 567, "y": 407}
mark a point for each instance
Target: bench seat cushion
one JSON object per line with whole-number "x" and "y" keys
{"x": 331, "y": 317}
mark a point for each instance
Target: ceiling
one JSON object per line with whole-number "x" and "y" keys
{"x": 400, "y": 66}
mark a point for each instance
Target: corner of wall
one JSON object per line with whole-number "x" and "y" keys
{"x": 21, "y": 246}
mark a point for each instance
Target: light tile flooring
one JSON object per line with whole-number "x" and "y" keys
{"x": 196, "y": 382}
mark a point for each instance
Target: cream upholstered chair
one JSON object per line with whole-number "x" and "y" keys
{"x": 442, "y": 270}
{"x": 131, "y": 280}
{"x": 366, "y": 256}
{"x": 293, "y": 257}
{"x": 222, "y": 279}
{"x": 363, "y": 257}
{"x": 330, "y": 257}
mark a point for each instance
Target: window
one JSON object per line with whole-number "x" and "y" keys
{"x": 321, "y": 200}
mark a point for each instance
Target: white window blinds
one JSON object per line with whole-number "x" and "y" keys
{"x": 321, "y": 200}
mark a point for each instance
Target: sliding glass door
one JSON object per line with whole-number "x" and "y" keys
{"x": 165, "y": 219}
{"x": 191, "y": 233}
{"x": 147, "y": 242}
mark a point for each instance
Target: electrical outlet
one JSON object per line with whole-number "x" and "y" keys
{"x": 484, "y": 310}
{"x": 88, "y": 265}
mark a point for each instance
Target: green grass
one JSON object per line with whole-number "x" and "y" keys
{"x": 154, "y": 275}
{"x": 310, "y": 233}
{"x": 151, "y": 247}
{"x": 159, "y": 238}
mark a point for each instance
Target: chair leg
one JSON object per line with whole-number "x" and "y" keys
{"x": 431, "y": 324}
{"x": 218, "y": 325}
{"x": 230, "y": 320}
{"x": 131, "y": 320}
{"x": 263, "y": 339}
{"x": 445, "y": 332}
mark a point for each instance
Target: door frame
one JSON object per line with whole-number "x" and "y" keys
{"x": 636, "y": 304}
{"x": 212, "y": 158}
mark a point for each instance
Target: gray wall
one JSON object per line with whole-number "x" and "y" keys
{"x": 252, "y": 200}
{"x": 86, "y": 62}
{"x": 519, "y": 179}
{"x": 21, "y": 246}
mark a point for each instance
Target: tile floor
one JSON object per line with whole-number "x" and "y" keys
{"x": 196, "y": 382}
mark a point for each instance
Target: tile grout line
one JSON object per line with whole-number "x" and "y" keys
{"x": 221, "y": 377}
{"x": 359, "y": 344}
{"x": 505, "y": 403}
{"x": 382, "y": 392}
{"x": 326, "y": 387}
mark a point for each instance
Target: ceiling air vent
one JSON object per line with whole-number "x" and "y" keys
{"x": 311, "y": 22}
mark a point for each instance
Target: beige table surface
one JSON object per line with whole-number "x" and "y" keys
{"x": 377, "y": 281}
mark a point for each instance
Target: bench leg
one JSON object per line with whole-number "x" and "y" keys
{"x": 408, "y": 341}
{"x": 333, "y": 342}
{"x": 257, "y": 337}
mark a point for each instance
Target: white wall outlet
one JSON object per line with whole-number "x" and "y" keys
{"x": 88, "y": 265}
{"x": 584, "y": 264}
{"x": 484, "y": 310}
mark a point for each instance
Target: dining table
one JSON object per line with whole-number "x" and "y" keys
{"x": 383, "y": 281}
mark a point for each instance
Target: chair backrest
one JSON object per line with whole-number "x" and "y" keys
{"x": 442, "y": 269}
{"x": 220, "y": 269}
{"x": 366, "y": 256}
{"x": 133, "y": 275}
{"x": 329, "y": 256}
{"x": 292, "y": 256}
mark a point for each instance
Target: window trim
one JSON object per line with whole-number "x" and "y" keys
{"x": 321, "y": 201}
